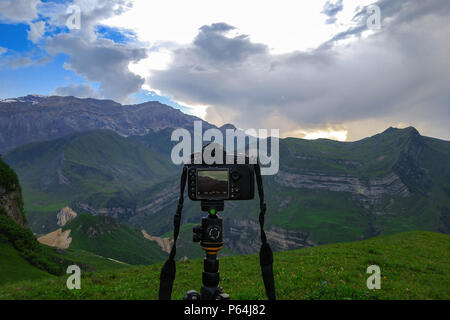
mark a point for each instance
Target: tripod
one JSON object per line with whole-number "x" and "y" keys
{"x": 210, "y": 236}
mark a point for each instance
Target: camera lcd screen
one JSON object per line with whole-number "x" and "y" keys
{"x": 212, "y": 184}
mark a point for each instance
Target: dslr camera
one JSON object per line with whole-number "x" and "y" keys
{"x": 217, "y": 182}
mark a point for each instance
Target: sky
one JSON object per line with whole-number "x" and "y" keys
{"x": 338, "y": 69}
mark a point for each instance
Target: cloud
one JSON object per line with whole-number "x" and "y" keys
{"x": 19, "y": 10}
{"x": 95, "y": 11}
{"x": 36, "y": 32}
{"x": 331, "y": 9}
{"x": 398, "y": 75}
{"x": 212, "y": 44}
{"x": 3, "y": 50}
{"x": 102, "y": 61}
{"x": 15, "y": 62}
{"x": 80, "y": 91}
{"x": 91, "y": 55}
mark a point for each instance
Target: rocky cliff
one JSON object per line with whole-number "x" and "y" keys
{"x": 11, "y": 201}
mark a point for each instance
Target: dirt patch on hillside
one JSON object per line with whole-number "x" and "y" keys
{"x": 59, "y": 239}
{"x": 164, "y": 243}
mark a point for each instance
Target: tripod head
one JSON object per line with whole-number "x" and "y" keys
{"x": 210, "y": 235}
{"x": 210, "y": 232}
{"x": 212, "y": 206}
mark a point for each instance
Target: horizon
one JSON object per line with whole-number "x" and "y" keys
{"x": 333, "y": 69}
{"x": 310, "y": 137}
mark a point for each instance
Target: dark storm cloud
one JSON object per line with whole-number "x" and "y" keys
{"x": 397, "y": 75}
{"x": 331, "y": 9}
{"x": 211, "y": 43}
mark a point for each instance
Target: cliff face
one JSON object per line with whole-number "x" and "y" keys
{"x": 243, "y": 236}
{"x": 11, "y": 201}
{"x": 12, "y": 204}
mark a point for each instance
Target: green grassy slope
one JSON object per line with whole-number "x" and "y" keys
{"x": 105, "y": 237}
{"x": 22, "y": 257}
{"x": 14, "y": 267}
{"x": 87, "y": 261}
{"x": 414, "y": 265}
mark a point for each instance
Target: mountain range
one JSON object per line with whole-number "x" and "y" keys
{"x": 37, "y": 118}
{"x": 99, "y": 157}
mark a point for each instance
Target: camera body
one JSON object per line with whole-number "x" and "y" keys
{"x": 218, "y": 182}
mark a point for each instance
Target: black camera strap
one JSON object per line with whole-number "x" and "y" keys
{"x": 265, "y": 253}
{"x": 168, "y": 271}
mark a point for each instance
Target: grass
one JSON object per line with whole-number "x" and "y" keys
{"x": 414, "y": 265}
{"x": 322, "y": 214}
{"x": 13, "y": 266}
{"x": 87, "y": 261}
{"x": 104, "y": 236}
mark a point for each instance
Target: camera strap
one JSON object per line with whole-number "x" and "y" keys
{"x": 168, "y": 271}
{"x": 265, "y": 253}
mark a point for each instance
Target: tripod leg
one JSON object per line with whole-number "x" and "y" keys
{"x": 210, "y": 277}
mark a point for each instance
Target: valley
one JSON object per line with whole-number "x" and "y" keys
{"x": 122, "y": 179}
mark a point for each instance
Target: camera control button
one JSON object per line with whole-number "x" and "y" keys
{"x": 235, "y": 175}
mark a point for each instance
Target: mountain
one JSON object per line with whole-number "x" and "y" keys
{"x": 94, "y": 169}
{"x": 414, "y": 266}
{"x": 38, "y": 118}
{"x": 22, "y": 256}
{"x": 103, "y": 236}
{"x": 325, "y": 192}
{"x": 19, "y": 250}
{"x": 399, "y": 179}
